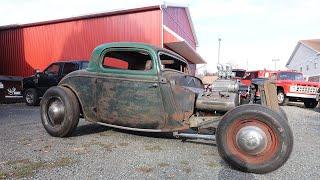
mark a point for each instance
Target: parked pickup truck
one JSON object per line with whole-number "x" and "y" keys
{"x": 35, "y": 86}
{"x": 139, "y": 87}
{"x": 10, "y": 89}
{"x": 291, "y": 86}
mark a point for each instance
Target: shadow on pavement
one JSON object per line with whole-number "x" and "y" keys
{"x": 93, "y": 128}
{"x": 228, "y": 173}
{"x": 88, "y": 129}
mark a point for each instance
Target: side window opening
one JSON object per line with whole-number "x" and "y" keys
{"x": 127, "y": 60}
{"x": 169, "y": 62}
{"x": 69, "y": 67}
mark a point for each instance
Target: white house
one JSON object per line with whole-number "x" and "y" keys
{"x": 306, "y": 59}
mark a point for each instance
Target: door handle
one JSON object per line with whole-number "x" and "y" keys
{"x": 154, "y": 85}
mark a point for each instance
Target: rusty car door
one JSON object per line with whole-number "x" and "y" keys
{"x": 128, "y": 94}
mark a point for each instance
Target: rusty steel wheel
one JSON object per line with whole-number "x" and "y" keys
{"x": 253, "y": 138}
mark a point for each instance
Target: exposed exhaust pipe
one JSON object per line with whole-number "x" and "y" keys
{"x": 194, "y": 136}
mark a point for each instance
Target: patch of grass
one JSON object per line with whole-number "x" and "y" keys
{"x": 155, "y": 148}
{"x": 17, "y": 162}
{"x": 123, "y": 144}
{"x": 3, "y": 175}
{"x": 25, "y": 168}
{"x": 65, "y": 161}
{"x": 25, "y": 141}
{"x": 145, "y": 169}
{"x": 78, "y": 149}
{"x": 108, "y": 147}
{"x": 187, "y": 170}
{"x": 105, "y": 133}
{"x": 47, "y": 146}
{"x": 212, "y": 164}
{"x": 163, "y": 164}
{"x": 184, "y": 162}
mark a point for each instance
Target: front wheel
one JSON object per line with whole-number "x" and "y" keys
{"x": 254, "y": 138}
{"x": 31, "y": 97}
{"x": 60, "y": 111}
{"x": 282, "y": 98}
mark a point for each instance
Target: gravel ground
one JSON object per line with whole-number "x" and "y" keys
{"x": 96, "y": 152}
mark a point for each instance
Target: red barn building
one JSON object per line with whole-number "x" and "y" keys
{"x": 24, "y": 48}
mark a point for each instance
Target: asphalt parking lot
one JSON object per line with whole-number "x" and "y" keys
{"x": 96, "y": 152}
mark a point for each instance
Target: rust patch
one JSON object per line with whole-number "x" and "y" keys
{"x": 177, "y": 116}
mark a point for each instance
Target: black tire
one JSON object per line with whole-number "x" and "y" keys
{"x": 31, "y": 97}
{"x": 284, "y": 100}
{"x": 310, "y": 103}
{"x": 63, "y": 120}
{"x": 276, "y": 149}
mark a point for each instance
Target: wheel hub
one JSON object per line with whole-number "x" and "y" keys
{"x": 251, "y": 139}
{"x": 280, "y": 97}
{"x": 56, "y": 112}
{"x": 29, "y": 97}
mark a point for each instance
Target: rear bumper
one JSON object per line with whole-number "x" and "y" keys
{"x": 309, "y": 96}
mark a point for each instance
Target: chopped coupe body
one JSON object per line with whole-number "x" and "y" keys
{"x": 139, "y": 87}
{"x": 153, "y": 99}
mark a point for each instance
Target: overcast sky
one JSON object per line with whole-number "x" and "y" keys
{"x": 252, "y": 31}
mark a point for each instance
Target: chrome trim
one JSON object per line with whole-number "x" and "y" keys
{"x": 13, "y": 97}
{"x": 251, "y": 139}
{"x": 311, "y": 96}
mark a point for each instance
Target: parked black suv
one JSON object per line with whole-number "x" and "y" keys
{"x": 35, "y": 86}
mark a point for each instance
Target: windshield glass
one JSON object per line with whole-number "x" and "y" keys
{"x": 85, "y": 65}
{"x": 291, "y": 76}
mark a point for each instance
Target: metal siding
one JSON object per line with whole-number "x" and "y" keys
{"x": 304, "y": 57}
{"x": 25, "y": 49}
{"x": 177, "y": 20}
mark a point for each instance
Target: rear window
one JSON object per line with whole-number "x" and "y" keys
{"x": 127, "y": 60}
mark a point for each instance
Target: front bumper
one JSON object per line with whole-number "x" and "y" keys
{"x": 298, "y": 95}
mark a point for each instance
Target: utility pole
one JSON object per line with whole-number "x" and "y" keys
{"x": 275, "y": 63}
{"x": 219, "y": 40}
{"x": 247, "y": 65}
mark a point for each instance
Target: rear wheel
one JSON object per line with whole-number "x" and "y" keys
{"x": 253, "y": 138}
{"x": 31, "y": 97}
{"x": 60, "y": 111}
{"x": 310, "y": 103}
{"x": 282, "y": 99}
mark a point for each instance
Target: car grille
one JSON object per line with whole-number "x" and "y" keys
{"x": 306, "y": 89}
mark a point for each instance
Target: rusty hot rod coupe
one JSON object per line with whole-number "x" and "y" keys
{"x": 139, "y": 87}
